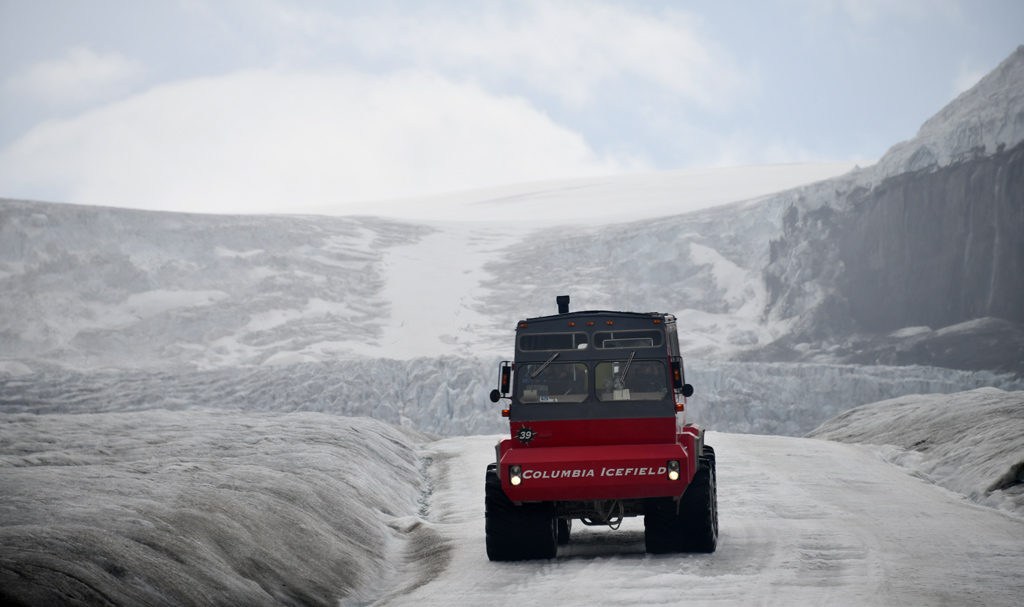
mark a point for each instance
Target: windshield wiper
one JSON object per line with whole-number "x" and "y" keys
{"x": 544, "y": 366}
{"x": 620, "y": 380}
{"x": 625, "y": 371}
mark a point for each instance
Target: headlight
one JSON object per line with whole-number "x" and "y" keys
{"x": 515, "y": 475}
{"x": 673, "y": 470}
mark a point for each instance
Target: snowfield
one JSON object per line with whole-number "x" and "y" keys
{"x": 239, "y": 507}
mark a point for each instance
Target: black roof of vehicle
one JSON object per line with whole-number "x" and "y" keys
{"x": 600, "y": 313}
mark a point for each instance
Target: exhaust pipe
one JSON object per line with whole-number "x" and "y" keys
{"x": 563, "y": 304}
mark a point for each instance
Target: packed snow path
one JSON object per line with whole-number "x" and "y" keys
{"x": 803, "y": 521}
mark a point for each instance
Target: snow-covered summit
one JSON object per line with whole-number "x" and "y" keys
{"x": 985, "y": 119}
{"x": 596, "y": 201}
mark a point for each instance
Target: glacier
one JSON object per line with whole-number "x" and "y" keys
{"x": 292, "y": 409}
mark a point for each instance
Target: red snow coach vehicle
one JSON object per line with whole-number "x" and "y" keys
{"x": 598, "y": 434}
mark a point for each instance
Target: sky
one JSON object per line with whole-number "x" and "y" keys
{"x": 239, "y": 106}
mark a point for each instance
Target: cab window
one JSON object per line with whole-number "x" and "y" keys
{"x": 552, "y": 382}
{"x": 631, "y": 380}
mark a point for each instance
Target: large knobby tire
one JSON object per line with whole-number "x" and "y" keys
{"x": 515, "y": 533}
{"x": 691, "y": 525}
{"x": 698, "y": 510}
{"x": 661, "y": 527}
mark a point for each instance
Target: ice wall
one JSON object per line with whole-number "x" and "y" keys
{"x": 448, "y": 396}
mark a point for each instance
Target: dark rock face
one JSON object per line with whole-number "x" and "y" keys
{"x": 936, "y": 248}
{"x": 991, "y": 344}
{"x": 928, "y": 248}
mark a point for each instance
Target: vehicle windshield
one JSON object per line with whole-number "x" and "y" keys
{"x": 631, "y": 380}
{"x": 553, "y": 382}
{"x": 569, "y": 382}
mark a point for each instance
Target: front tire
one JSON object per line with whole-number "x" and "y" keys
{"x": 515, "y": 533}
{"x": 699, "y": 508}
{"x": 691, "y": 525}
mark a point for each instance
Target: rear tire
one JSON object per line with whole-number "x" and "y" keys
{"x": 515, "y": 533}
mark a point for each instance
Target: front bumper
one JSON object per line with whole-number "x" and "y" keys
{"x": 596, "y": 472}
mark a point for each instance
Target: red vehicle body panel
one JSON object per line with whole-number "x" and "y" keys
{"x": 563, "y": 462}
{"x": 567, "y": 433}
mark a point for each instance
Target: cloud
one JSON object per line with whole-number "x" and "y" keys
{"x": 264, "y": 140}
{"x": 742, "y": 148}
{"x": 577, "y": 51}
{"x": 866, "y": 12}
{"x": 80, "y": 76}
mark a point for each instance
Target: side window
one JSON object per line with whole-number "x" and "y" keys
{"x": 636, "y": 380}
{"x": 552, "y": 383}
{"x": 673, "y": 340}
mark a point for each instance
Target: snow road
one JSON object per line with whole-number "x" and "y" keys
{"x": 803, "y": 521}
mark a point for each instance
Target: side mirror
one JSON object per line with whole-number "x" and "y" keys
{"x": 677, "y": 375}
{"x": 506, "y": 378}
{"x": 687, "y": 390}
{"x": 504, "y": 382}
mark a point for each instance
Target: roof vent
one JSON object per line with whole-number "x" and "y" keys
{"x": 563, "y": 304}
